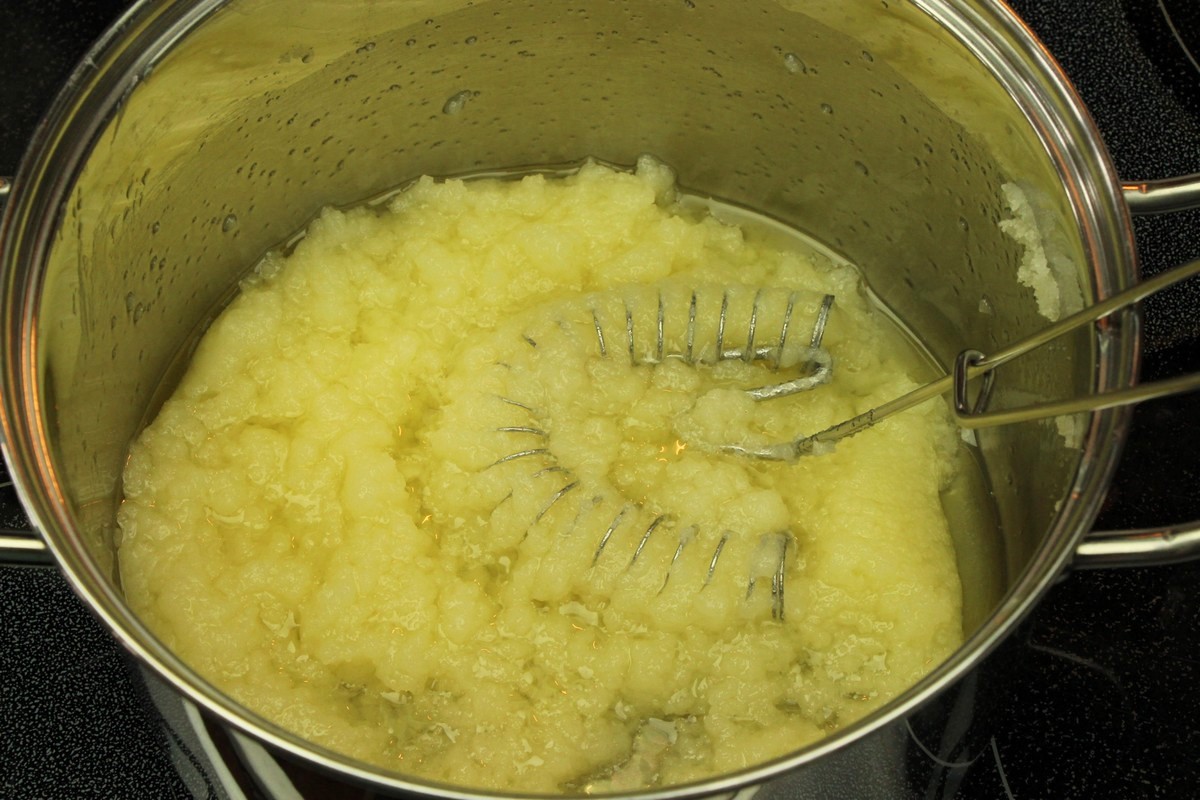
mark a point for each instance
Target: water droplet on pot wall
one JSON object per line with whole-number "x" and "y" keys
{"x": 456, "y": 102}
{"x": 794, "y": 65}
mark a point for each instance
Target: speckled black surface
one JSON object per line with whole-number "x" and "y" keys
{"x": 1105, "y": 696}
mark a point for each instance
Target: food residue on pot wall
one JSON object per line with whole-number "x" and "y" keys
{"x": 1054, "y": 281}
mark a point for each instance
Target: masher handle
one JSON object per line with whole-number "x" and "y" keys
{"x": 972, "y": 364}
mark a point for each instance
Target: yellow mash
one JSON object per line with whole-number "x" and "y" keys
{"x": 406, "y": 504}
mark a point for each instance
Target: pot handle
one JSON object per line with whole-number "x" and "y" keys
{"x": 1145, "y": 547}
{"x": 1162, "y": 196}
{"x": 23, "y": 549}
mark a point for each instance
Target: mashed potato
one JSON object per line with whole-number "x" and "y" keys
{"x": 419, "y": 499}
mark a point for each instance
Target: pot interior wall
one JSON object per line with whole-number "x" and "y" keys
{"x": 861, "y": 124}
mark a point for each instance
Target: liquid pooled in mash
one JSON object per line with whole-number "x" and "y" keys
{"x": 419, "y": 499}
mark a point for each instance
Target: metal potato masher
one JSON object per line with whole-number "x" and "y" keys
{"x": 620, "y": 333}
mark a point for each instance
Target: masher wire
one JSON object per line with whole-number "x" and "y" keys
{"x": 761, "y": 344}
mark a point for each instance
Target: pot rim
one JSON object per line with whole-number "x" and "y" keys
{"x": 988, "y": 30}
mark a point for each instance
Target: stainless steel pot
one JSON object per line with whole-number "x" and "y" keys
{"x": 196, "y": 135}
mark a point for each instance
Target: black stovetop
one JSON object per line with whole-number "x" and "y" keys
{"x": 1106, "y": 697}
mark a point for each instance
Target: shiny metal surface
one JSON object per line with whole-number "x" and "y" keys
{"x": 23, "y": 549}
{"x": 685, "y": 313}
{"x": 1163, "y": 196}
{"x": 197, "y": 135}
{"x": 1138, "y": 548}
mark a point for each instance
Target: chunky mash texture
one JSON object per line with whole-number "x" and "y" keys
{"x": 417, "y": 500}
